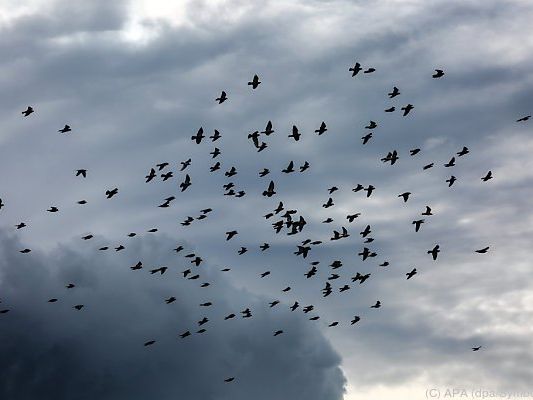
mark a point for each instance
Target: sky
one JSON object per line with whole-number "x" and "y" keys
{"x": 135, "y": 79}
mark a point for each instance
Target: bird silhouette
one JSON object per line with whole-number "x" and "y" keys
{"x": 27, "y": 111}
{"x": 270, "y": 190}
{"x": 395, "y": 92}
{"x": 199, "y": 136}
{"x": 434, "y": 252}
{"x": 355, "y": 69}
{"x": 487, "y": 176}
{"x": 438, "y": 73}
{"x": 222, "y": 98}
{"x": 186, "y": 183}
{"x": 417, "y": 224}
{"x": 216, "y": 135}
{"x": 407, "y": 109}
{"x": 254, "y": 83}
{"x": 295, "y": 133}
{"x": 65, "y": 129}
{"x": 322, "y": 129}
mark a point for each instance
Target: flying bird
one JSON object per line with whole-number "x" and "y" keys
{"x": 65, "y": 129}
{"x": 222, "y": 98}
{"x": 27, "y": 111}
{"x": 295, "y": 133}
{"x": 434, "y": 252}
{"x": 254, "y": 83}
{"x": 395, "y": 92}
{"x": 199, "y": 136}
{"x": 438, "y": 73}
{"x": 322, "y": 129}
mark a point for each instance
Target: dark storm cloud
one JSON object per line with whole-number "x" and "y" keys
{"x": 51, "y": 351}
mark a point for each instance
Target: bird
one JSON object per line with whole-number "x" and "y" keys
{"x": 186, "y": 183}
{"x": 264, "y": 246}
{"x": 428, "y": 166}
{"x": 369, "y": 70}
{"x": 270, "y": 190}
{"x": 149, "y": 343}
{"x": 215, "y": 167}
{"x": 151, "y": 175}
{"x": 82, "y": 172}
{"x": 355, "y": 69}
{"x": 65, "y": 129}
{"x": 289, "y": 168}
{"x": 167, "y": 176}
{"x": 25, "y": 251}
{"x": 450, "y": 163}
{"x": 230, "y": 234}
{"x": 411, "y": 274}
{"x": 524, "y": 119}
{"x": 185, "y": 164}
{"x": 304, "y": 166}
{"x": 366, "y": 138}
{"x": 395, "y": 92}
{"x": 231, "y": 379}
{"x": 407, "y": 109}
{"x": 268, "y": 129}
{"x": 78, "y": 307}
{"x": 463, "y": 152}
{"x": 185, "y": 334}
{"x": 377, "y": 305}
{"x": 137, "y": 266}
{"x": 28, "y": 111}
{"x": 483, "y": 250}
{"x": 390, "y": 109}
{"x": 111, "y": 193}
{"x": 369, "y": 190}
{"x": 87, "y": 237}
{"x": 417, "y": 224}
{"x": 414, "y": 152}
{"x": 216, "y": 135}
{"x": 277, "y": 333}
{"x": 254, "y": 83}
{"x": 405, "y": 196}
{"x": 355, "y": 320}
{"x": 428, "y": 211}
{"x": 451, "y": 180}
{"x": 20, "y": 225}
{"x": 434, "y": 252}
{"x": 322, "y": 129}
{"x": 438, "y": 73}
{"x": 53, "y": 209}
{"x": 199, "y": 136}
{"x": 161, "y": 270}
{"x": 487, "y": 176}
{"x": 295, "y": 133}
{"x": 352, "y": 217}
{"x": 476, "y": 348}
{"x": 1, "y": 203}
{"x": 371, "y": 125}
{"x": 223, "y": 97}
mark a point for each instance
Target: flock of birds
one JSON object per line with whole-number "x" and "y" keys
{"x": 290, "y": 221}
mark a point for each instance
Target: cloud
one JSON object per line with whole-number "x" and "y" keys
{"x": 135, "y": 86}
{"x": 50, "y": 350}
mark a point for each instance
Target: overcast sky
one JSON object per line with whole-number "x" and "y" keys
{"x": 136, "y": 79}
